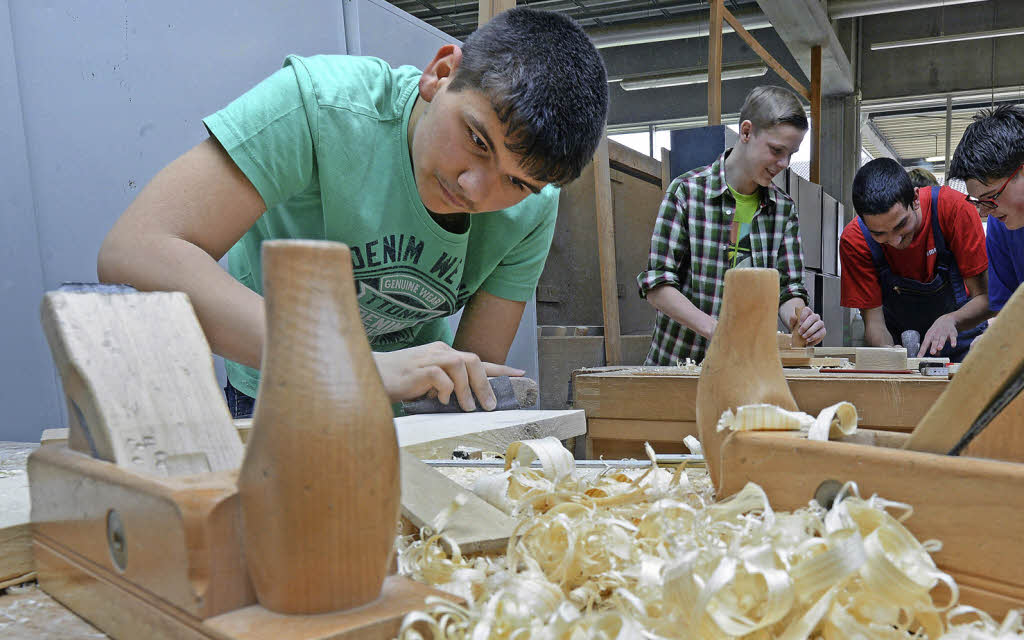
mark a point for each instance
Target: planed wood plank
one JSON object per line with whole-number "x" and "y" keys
{"x": 476, "y": 526}
{"x": 432, "y": 436}
{"x": 142, "y": 405}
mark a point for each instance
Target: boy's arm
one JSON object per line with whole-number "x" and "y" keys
{"x": 671, "y": 301}
{"x": 187, "y": 217}
{"x": 171, "y": 236}
{"x": 488, "y": 325}
{"x": 876, "y": 334}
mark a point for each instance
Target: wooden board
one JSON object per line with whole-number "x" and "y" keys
{"x": 476, "y": 526}
{"x": 890, "y": 402}
{"x": 15, "y": 531}
{"x": 433, "y": 436}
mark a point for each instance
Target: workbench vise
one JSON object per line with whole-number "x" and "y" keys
{"x": 155, "y": 523}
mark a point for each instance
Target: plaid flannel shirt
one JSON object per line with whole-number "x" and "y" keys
{"x": 690, "y": 246}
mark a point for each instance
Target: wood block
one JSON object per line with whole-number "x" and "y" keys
{"x": 16, "y": 552}
{"x": 882, "y": 358}
{"x": 652, "y": 430}
{"x": 476, "y": 526}
{"x": 784, "y": 340}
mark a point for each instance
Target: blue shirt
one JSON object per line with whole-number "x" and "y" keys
{"x": 1005, "y": 249}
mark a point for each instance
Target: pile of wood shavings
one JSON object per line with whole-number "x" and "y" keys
{"x": 616, "y": 555}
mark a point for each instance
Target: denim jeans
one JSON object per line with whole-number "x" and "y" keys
{"x": 239, "y": 404}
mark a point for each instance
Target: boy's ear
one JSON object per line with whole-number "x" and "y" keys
{"x": 440, "y": 71}
{"x": 746, "y": 130}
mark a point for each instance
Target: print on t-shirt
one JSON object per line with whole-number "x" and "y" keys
{"x": 739, "y": 253}
{"x": 396, "y": 292}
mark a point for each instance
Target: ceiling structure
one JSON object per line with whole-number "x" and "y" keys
{"x": 911, "y": 128}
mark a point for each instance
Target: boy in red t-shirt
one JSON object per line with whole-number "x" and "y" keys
{"x": 914, "y": 259}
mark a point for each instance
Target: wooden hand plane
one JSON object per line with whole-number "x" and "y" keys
{"x": 973, "y": 505}
{"x": 156, "y": 523}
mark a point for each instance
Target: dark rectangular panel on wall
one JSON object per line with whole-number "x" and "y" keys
{"x": 829, "y": 235}
{"x": 809, "y": 209}
{"x": 698, "y": 147}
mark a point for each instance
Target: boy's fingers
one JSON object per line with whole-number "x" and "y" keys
{"x": 457, "y": 372}
{"x": 440, "y": 381}
{"x": 495, "y": 370}
{"x": 477, "y": 373}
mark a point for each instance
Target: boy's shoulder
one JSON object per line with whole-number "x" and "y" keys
{"x": 359, "y": 83}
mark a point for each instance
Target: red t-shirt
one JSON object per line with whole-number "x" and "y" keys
{"x": 961, "y": 228}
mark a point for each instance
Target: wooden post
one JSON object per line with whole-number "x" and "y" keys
{"x": 666, "y": 169}
{"x": 715, "y": 63}
{"x": 816, "y": 114}
{"x": 606, "y": 254}
{"x": 491, "y": 8}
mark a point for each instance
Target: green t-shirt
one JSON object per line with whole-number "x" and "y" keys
{"x": 739, "y": 245}
{"x": 325, "y": 142}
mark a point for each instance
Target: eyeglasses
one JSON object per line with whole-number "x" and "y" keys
{"x": 990, "y": 203}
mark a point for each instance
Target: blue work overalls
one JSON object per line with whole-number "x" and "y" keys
{"x": 909, "y": 304}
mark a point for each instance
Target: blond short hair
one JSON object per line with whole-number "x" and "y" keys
{"x": 768, "y": 106}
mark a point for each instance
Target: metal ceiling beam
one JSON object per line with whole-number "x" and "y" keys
{"x": 662, "y": 29}
{"x": 838, "y": 9}
{"x": 869, "y": 131}
{"x": 803, "y": 24}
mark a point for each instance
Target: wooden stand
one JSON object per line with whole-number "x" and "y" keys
{"x": 132, "y": 538}
{"x": 975, "y": 507}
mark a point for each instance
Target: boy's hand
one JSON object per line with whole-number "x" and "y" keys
{"x": 438, "y": 369}
{"x": 809, "y": 325}
{"x": 942, "y": 330}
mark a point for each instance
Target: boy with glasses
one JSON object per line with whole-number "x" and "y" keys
{"x": 724, "y": 216}
{"x": 914, "y": 259}
{"x": 989, "y": 160}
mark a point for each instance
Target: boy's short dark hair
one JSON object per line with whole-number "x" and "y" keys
{"x": 547, "y": 84}
{"x": 992, "y": 146}
{"x": 768, "y": 106}
{"x": 879, "y": 185}
{"x": 921, "y": 177}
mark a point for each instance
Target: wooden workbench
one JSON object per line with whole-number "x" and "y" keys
{"x": 627, "y": 406}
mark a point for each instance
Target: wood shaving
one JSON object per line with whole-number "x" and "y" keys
{"x": 649, "y": 554}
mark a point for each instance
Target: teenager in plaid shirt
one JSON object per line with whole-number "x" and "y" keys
{"x": 729, "y": 215}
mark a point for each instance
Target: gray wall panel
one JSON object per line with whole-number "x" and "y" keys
{"x": 98, "y": 96}
{"x": 28, "y": 383}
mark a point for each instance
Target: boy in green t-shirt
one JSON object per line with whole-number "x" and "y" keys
{"x": 392, "y": 162}
{"x": 728, "y": 215}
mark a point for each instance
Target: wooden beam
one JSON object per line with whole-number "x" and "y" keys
{"x": 491, "y": 8}
{"x": 715, "y": 63}
{"x": 666, "y": 169}
{"x": 606, "y": 254}
{"x": 816, "y": 114}
{"x": 769, "y": 60}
